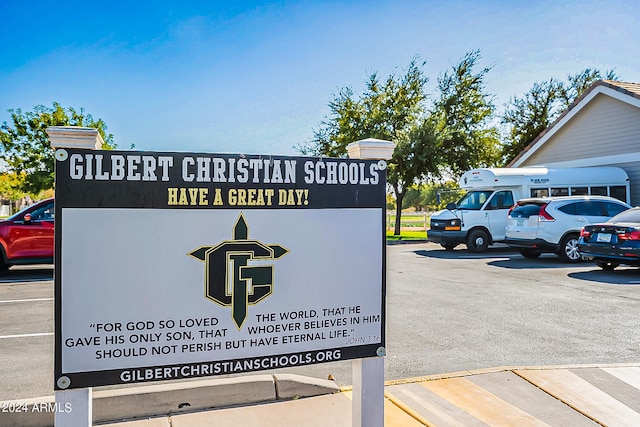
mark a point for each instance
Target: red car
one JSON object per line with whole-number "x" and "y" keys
{"x": 27, "y": 236}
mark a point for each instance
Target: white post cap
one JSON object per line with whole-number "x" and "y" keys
{"x": 74, "y": 137}
{"x": 371, "y": 148}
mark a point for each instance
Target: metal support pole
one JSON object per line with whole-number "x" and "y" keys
{"x": 74, "y": 408}
{"x": 367, "y": 408}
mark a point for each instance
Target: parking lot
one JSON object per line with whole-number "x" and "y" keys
{"x": 446, "y": 312}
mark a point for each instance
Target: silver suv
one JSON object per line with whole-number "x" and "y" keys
{"x": 553, "y": 224}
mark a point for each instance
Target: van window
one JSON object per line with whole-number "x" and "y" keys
{"x": 501, "y": 200}
{"x": 473, "y": 200}
{"x": 619, "y": 192}
{"x": 560, "y": 191}
{"x": 579, "y": 191}
{"x": 539, "y": 192}
{"x": 599, "y": 191}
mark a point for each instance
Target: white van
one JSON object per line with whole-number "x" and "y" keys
{"x": 479, "y": 218}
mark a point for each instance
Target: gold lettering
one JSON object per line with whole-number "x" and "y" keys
{"x": 269, "y": 193}
{"x": 217, "y": 198}
{"x": 183, "y": 197}
{"x": 172, "y": 196}
{"x": 202, "y": 200}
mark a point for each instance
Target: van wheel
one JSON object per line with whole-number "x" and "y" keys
{"x": 478, "y": 241}
{"x": 569, "y": 249}
{"x": 448, "y": 246}
{"x": 529, "y": 253}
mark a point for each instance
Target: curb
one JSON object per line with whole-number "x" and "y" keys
{"x": 166, "y": 399}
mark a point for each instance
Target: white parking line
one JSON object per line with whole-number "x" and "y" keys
{"x": 10, "y": 281}
{"x": 27, "y": 300}
{"x": 42, "y": 334}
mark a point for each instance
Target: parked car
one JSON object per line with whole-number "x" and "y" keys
{"x": 553, "y": 224}
{"x": 27, "y": 236}
{"x": 614, "y": 242}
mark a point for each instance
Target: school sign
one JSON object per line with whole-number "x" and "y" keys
{"x": 181, "y": 265}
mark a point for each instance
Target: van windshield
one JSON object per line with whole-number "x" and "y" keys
{"x": 473, "y": 200}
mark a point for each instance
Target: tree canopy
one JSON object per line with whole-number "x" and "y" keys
{"x": 386, "y": 110}
{"x": 25, "y": 145}
{"x": 462, "y": 116}
{"x": 392, "y": 109}
{"x": 527, "y": 116}
{"x": 430, "y": 139}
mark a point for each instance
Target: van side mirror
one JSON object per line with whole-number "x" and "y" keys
{"x": 450, "y": 206}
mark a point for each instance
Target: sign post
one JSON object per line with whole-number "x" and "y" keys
{"x": 77, "y": 404}
{"x": 181, "y": 265}
{"x": 368, "y": 373}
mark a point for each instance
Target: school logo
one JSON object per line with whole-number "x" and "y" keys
{"x": 229, "y": 279}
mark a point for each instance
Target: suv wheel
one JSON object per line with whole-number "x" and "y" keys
{"x": 529, "y": 253}
{"x": 569, "y": 249}
{"x": 478, "y": 241}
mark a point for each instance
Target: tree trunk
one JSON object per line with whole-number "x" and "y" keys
{"x": 399, "y": 197}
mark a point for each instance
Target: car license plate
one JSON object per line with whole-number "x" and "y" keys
{"x": 603, "y": 237}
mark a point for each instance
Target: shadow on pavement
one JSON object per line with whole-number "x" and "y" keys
{"x": 503, "y": 257}
{"x": 545, "y": 261}
{"x": 465, "y": 254}
{"x": 32, "y": 273}
{"x": 620, "y": 276}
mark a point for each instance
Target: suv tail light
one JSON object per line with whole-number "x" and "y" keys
{"x": 544, "y": 215}
{"x": 511, "y": 209}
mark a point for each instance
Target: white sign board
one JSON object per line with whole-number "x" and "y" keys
{"x": 176, "y": 265}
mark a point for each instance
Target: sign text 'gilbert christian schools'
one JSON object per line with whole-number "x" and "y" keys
{"x": 181, "y": 265}
{"x": 209, "y": 169}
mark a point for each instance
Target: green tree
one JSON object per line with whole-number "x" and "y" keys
{"x": 525, "y": 118}
{"x": 413, "y": 198}
{"x": 392, "y": 110}
{"x": 528, "y": 116}
{"x": 578, "y": 83}
{"x": 25, "y": 145}
{"x": 414, "y": 159}
{"x": 462, "y": 116}
{"x": 437, "y": 195}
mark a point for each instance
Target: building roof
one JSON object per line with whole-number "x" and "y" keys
{"x": 623, "y": 91}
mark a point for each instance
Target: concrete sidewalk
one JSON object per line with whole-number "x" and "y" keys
{"x": 554, "y": 396}
{"x": 583, "y": 395}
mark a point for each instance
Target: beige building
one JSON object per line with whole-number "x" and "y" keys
{"x": 601, "y": 128}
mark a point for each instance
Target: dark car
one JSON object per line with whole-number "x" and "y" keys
{"x": 27, "y": 236}
{"x": 614, "y": 242}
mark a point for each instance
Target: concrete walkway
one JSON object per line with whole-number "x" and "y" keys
{"x": 509, "y": 396}
{"x": 552, "y": 396}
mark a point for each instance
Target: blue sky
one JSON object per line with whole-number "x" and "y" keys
{"x": 256, "y": 77}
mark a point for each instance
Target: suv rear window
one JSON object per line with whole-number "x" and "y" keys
{"x": 614, "y": 208}
{"x": 525, "y": 211}
{"x": 588, "y": 208}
